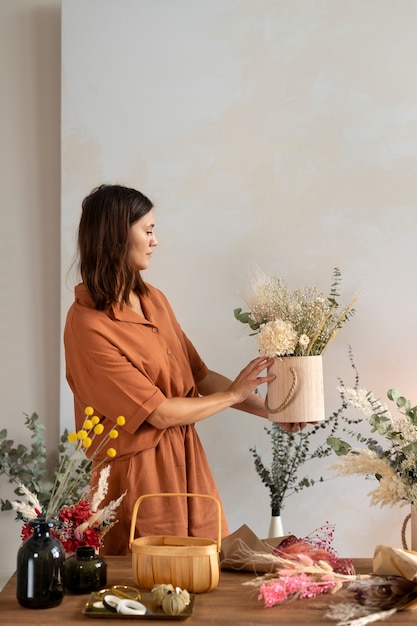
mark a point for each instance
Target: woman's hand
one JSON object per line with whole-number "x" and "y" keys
{"x": 255, "y": 368}
{"x": 250, "y": 378}
{"x": 292, "y": 427}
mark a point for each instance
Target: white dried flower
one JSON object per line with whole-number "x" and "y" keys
{"x": 102, "y": 488}
{"x": 109, "y": 511}
{"x": 363, "y": 400}
{"x": 29, "y": 509}
{"x": 26, "y": 510}
{"x": 407, "y": 433}
{"x": 277, "y": 338}
{"x": 303, "y": 340}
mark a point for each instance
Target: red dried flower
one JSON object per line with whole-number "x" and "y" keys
{"x": 77, "y": 513}
{"x": 26, "y": 531}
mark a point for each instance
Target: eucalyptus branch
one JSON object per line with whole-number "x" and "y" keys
{"x": 29, "y": 466}
{"x": 290, "y": 451}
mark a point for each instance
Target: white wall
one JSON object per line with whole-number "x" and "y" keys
{"x": 281, "y": 133}
{"x": 278, "y": 133}
{"x": 30, "y": 229}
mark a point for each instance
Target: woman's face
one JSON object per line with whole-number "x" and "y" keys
{"x": 142, "y": 239}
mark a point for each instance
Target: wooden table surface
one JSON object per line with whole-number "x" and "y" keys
{"x": 230, "y": 603}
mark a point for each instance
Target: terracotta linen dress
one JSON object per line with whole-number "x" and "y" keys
{"x": 123, "y": 364}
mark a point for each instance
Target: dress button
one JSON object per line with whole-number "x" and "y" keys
{"x": 169, "y": 351}
{"x": 154, "y": 330}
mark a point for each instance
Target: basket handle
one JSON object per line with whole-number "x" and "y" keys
{"x": 290, "y": 394}
{"x": 187, "y": 495}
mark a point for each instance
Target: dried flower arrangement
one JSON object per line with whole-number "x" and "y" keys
{"x": 293, "y": 323}
{"x": 304, "y": 568}
{"x": 373, "y": 599}
{"x": 393, "y": 465}
{"x": 62, "y": 494}
{"x": 309, "y": 567}
{"x": 390, "y": 457}
{"x": 391, "y": 588}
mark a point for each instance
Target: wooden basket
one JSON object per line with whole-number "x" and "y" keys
{"x": 187, "y": 562}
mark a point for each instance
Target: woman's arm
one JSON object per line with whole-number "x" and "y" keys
{"x": 218, "y": 393}
{"x": 217, "y": 382}
{"x": 252, "y": 404}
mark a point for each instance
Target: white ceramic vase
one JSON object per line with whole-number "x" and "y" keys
{"x": 275, "y": 527}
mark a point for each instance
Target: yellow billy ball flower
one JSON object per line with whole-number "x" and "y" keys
{"x": 89, "y": 410}
{"x": 82, "y": 434}
{"x": 95, "y": 419}
{"x": 121, "y": 420}
{"x": 87, "y": 442}
{"x": 113, "y": 434}
{"x": 111, "y": 452}
{"x": 72, "y": 437}
{"x": 99, "y": 429}
{"x": 88, "y": 424}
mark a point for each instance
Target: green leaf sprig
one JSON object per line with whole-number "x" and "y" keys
{"x": 29, "y": 466}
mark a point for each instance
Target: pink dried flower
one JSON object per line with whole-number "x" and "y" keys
{"x": 305, "y": 559}
{"x": 272, "y": 593}
{"x": 306, "y": 568}
{"x": 302, "y": 586}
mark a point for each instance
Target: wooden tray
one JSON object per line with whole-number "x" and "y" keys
{"x": 146, "y": 598}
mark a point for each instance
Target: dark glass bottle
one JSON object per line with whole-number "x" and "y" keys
{"x": 85, "y": 571}
{"x": 40, "y": 568}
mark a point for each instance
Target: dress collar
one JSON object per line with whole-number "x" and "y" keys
{"x": 116, "y": 311}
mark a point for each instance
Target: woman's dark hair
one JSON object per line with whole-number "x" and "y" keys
{"x": 108, "y": 212}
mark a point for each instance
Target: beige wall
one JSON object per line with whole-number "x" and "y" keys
{"x": 278, "y": 133}
{"x": 30, "y": 32}
{"x": 344, "y": 193}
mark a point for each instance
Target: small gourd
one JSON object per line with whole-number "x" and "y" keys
{"x": 160, "y": 591}
{"x": 173, "y": 604}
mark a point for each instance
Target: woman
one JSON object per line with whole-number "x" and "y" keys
{"x": 127, "y": 355}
